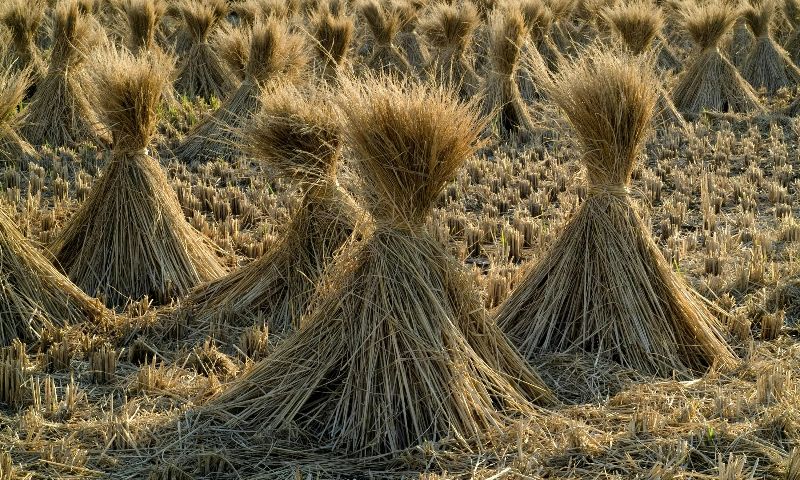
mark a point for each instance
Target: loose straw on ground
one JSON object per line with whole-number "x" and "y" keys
{"x": 129, "y": 239}
{"x": 604, "y": 287}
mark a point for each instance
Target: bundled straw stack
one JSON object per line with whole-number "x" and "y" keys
{"x": 384, "y": 23}
{"x": 129, "y": 238}
{"x": 539, "y": 22}
{"x": 15, "y": 151}
{"x": 638, "y": 25}
{"x": 767, "y": 65}
{"x": 407, "y": 38}
{"x": 503, "y": 103}
{"x": 274, "y": 54}
{"x": 33, "y": 294}
{"x": 23, "y": 19}
{"x": 59, "y": 112}
{"x": 709, "y": 80}
{"x": 449, "y": 30}
{"x": 791, "y": 12}
{"x": 142, "y": 20}
{"x": 300, "y": 138}
{"x": 333, "y": 34}
{"x": 397, "y": 349}
{"x": 604, "y": 286}
{"x": 202, "y": 73}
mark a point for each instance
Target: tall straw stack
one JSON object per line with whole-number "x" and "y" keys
{"x": 59, "y": 112}
{"x": 767, "y": 65}
{"x": 333, "y": 35}
{"x": 791, "y": 12}
{"x": 604, "y": 287}
{"x": 33, "y": 294}
{"x": 23, "y": 19}
{"x": 202, "y": 72}
{"x": 709, "y": 80}
{"x": 638, "y": 25}
{"x": 539, "y": 22}
{"x": 300, "y": 138}
{"x": 384, "y": 24}
{"x": 449, "y": 30}
{"x": 407, "y": 39}
{"x": 129, "y": 238}
{"x": 142, "y": 20}
{"x": 275, "y": 54}
{"x": 396, "y": 349}
{"x": 503, "y": 103}
{"x": 15, "y": 151}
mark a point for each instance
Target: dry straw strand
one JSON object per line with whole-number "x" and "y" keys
{"x": 129, "y": 239}
{"x": 604, "y": 287}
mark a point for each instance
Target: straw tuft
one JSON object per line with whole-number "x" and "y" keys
{"x": 142, "y": 17}
{"x": 333, "y": 35}
{"x": 384, "y": 22}
{"x": 707, "y": 23}
{"x": 637, "y": 24}
{"x": 604, "y": 287}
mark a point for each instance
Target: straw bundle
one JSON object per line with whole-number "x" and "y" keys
{"x": 791, "y": 12}
{"x": 333, "y": 34}
{"x": 23, "y": 19}
{"x": 503, "y": 103}
{"x": 397, "y": 349}
{"x": 274, "y": 54}
{"x": 449, "y": 30}
{"x": 740, "y": 43}
{"x": 129, "y": 238}
{"x": 604, "y": 286}
{"x": 407, "y": 38}
{"x": 14, "y": 150}
{"x": 767, "y": 66}
{"x": 202, "y": 72}
{"x": 710, "y": 81}
{"x": 59, "y": 112}
{"x": 638, "y": 25}
{"x": 384, "y": 23}
{"x": 299, "y": 138}
{"x": 539, "y": 21}
{"x": 233, "y": 47}
{"x": 252, "y": 11}
{"x": 33, "y": 293}
{"x": 142, "y": 17}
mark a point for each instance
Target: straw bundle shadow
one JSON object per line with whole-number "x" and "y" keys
{"x": 502, "y": 101}
{"x": 333, "y": 35}
{"x": 384, "y": 23}
{"x": 604, "y": 287}
{"x": 33, "y": 294}
{"x": 129, "y": 238}
{"x": 767, "y": 66}
{"x": 300, "y": 138}
{"x": 638, "y": 25}
{"x": 15, "y": 151}
{"x": 407, "y": 39}
{"x": 709, "y": 80}
{"x": 396, "y": 349}
{"x": 23, "y": 18}
{"x": 539, "y": 22}
{"x": 275, "y": 54}
{"x": 59, "y": 112}
{"x": 449, "y": 30}
{"x": 142, "y": 20}
{"x": 202, "y": 72}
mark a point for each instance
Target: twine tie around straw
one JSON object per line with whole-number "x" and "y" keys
{"x": 616, "y": 190}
